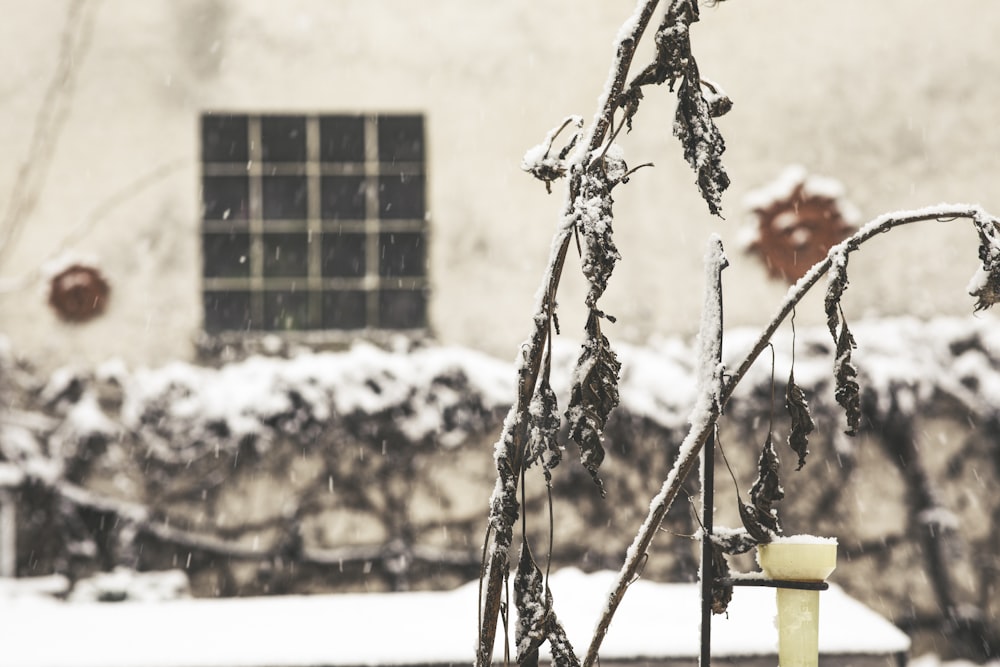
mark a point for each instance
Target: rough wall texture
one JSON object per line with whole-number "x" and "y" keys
{"x": 893, "y": 99}
{"x": 371, "y": 470}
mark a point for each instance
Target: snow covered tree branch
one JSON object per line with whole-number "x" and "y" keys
{"x": 980, "y": 286}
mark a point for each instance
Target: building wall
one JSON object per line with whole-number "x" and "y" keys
{"x": 895, "y": 101}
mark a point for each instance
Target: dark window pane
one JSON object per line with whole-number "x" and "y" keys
{"x": 344, "y": 255}
{"x": 402, "y": 309}
{"x": 401, "y": 196}
{"x": 400, "y": 254}
{"x": 286, "y": 311}
{"x": 283, "y": 138}
{"x": 227, "y": 311}
{"x": 225, "y": 197}
{"x": 344, "y": 310}
{"x": 226, "y": 255}
{"x": 400, "y": 139}
{"x": 224, "y": 139}
{"x": 286, "y": 254}
{"x": 343, "y": 197}
{"x": 284, "y": 197}
{"x": 342, "y": 139}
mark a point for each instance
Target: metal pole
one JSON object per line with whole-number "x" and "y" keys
{"x": 707, "y": 573}
{"x": 8, "y": 534}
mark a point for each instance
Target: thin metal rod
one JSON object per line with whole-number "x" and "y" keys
{"x": 707, "y": 571}
{"x": 779, "y": 583}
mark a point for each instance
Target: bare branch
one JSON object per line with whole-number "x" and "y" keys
{"x": 51, "y": 117}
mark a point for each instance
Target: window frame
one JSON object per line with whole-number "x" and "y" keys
{"x": 318, "y": 171}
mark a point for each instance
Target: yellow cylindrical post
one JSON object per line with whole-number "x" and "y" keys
{"x": 798, "y": 558}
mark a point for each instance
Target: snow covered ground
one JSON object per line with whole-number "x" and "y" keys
{"x": 654, "y": 621}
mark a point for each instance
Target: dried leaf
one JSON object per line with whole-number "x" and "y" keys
{"x": 753, "y": 523}
{"x": 802, "y": 423}
{"x": 702, "y": 142}
{"x": 560, "y": 648}
{"x": 694, "y": 126}
{"x": 629, "y": 102}
{"x": 719, "y": 104}
{"x": 673, "y": 41}
{"x": 722, "y": 590}
{"x": 761, "y": 518}
{"x": 847, "y": 393}
{"x": 533, "y": 608}
{"x": 836, "y": 284}
{"x": 536, "y": 620}
{"x": 542, "y": 164}
{"x": 985, "y": 285}
{"x": 733, "y": 541}
{"x": 767, "y": 489}
{"x": 503, "y": 503}
{"x": 593, "y": 396}
{"x": 543, "y": 429}
{"x": 592, "y": 216}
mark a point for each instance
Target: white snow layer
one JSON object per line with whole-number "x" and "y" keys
{"x": 813, "y": 185}
{"x": 182, "y": 409}
{"x": 654, "y": 621}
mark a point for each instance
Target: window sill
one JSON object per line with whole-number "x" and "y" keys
{"x": 230, "y": 346}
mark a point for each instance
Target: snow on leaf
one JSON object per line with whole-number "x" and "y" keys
{"x": 536, "y": 619}
{"x": 591, "y": 215}
{"x": 719, "y": 103}
{"x": 504, "y": 507}
{"x": 733, "y": 540}
{"x": 673, "y": 52}
{"x": 543, "y": 427}
{"x": 539, "y": 160}
{"x": 985, "y": 285}
{"x": 560, "y": 648}
{"x": 533, "y": 608}
{"x": 802, "y": 423}
{"x": 702, "y": 142}
{"x": 593, "y": 396}
{"x": 760, "y": 518}
{"x": 693, "y": 125}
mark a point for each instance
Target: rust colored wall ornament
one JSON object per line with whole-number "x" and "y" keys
{"x": 797, "y": 219}
{"x": 78, "y": 293}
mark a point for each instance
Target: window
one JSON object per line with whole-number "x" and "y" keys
{"x": 313, "y": 222}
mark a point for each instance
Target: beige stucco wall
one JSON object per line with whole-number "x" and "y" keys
{"x": 896, "y": 99}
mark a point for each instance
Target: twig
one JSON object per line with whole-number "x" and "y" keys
{"x": 51, "y": 118}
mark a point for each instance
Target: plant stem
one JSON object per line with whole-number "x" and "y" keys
{"x": 497, "y": 561}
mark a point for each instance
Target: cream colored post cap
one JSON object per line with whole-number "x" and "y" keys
{"x": 798, "y": 558}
